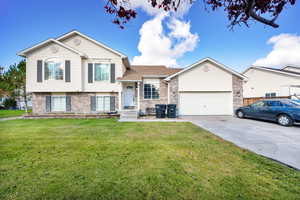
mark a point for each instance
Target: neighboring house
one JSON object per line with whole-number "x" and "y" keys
{"x": 77, "y": 74}
{"x": 21, "y": 102}
{"x": 1, "y": 100}
{"x": 272, "y": 82}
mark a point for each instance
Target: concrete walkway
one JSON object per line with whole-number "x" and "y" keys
{"x": 153, "y": 120}
{"x": 11, "y": 118}
{"x": 265, "y": 138}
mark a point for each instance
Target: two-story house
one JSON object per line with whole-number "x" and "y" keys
{"x": 77, "y": 74}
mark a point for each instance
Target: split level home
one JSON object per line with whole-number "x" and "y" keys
{"x": 272, "y": 82}
{"x": 74, "y": 73}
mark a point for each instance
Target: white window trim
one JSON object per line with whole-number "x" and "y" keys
{"x": 270, "y": 94}
{"x": 94, "y": 71}
{"x": 53, "y": 96}
{"x": 99, "y": 111}
{"x": 63, "y": 68}
{"x": 145, "y": 82}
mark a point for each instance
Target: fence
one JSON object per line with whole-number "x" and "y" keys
{"x": 247, "y": 101}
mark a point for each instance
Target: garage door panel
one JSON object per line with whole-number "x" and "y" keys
{"x": 205, "y": 103}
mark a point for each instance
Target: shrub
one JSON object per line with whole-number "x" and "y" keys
{"x": 10, "y": 103}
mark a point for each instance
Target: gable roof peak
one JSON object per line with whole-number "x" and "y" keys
{"x": 70, "y": 33}
{"x": 205, "y": 60}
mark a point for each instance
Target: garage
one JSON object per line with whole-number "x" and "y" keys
{"x": 206, "y": 88}
{"x": 205, "y": 103}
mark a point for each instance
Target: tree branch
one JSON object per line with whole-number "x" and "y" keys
{"x": 250, "y": 12}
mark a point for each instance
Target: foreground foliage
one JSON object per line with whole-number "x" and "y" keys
{"x": 238, "y": 11}
{"x": 104, "y": 159}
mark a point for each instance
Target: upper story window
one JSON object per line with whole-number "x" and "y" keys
{"x": 102, "y": 72}
{"x": 53, "y": 70}
{"x": 151, "y": 89}
{"x": 273, "y": 94}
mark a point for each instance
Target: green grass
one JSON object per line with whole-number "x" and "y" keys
{"x": 104, "y": 159}
{"x": 11, "y": 113}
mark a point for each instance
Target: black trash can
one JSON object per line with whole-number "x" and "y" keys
{"x": 171, "y": 111}
{"x": 160, "y": 110}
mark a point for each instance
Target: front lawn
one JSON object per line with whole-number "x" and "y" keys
{"x": 11, "y": 113}
{"x": 104, "y": 159}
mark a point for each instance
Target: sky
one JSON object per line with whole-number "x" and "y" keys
{"x": 154, "y": 37}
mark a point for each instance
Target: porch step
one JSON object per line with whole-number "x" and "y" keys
{"x": 129, "y": 114}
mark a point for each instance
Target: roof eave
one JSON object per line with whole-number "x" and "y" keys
{"x": 126, "y": 62}
{"x": 24, "y": 52}
{"x": 201, "y": 61}
{"x": 280, "y": 72}
{"x": 129, "y": 80}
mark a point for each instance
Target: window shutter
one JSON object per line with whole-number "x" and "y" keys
{"x": 39, "y": 71}
{"x": 112, "y": 103}
{"x": 93, "y": 103}
{"x": 68, "y": 104}
{"x": 68, "y": 71}
{"x": 48, "y": 103}
{"x": 112, "y": 73}
{"x": 90, "y": 73}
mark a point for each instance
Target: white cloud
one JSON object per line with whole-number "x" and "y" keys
{"x": 286, "y": 51}
{"x": 146, "y": 6}
{"x": 157, "y": 47}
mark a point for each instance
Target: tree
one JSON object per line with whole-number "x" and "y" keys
{"x": 13, "y": 81}
{"x": 238, "y": 11}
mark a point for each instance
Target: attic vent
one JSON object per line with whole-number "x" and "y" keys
{"x": 206, "y": 68}
{"x": 77, "y": 41}
{"x": 54, "y": 49}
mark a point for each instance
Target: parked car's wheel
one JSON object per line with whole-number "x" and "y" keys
{"x": 240, "y": 114}
{"x": 284, "y": 120}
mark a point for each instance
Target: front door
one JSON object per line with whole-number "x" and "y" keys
{"x": 129, "y": 96}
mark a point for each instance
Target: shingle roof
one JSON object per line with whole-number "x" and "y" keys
{"x": 137, "y": 72}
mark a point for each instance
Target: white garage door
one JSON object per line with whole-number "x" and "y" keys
{"x": 206, "y": 103}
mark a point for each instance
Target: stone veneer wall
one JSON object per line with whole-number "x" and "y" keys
{"x": 80, "y": 102}
{"x": 174, "y": 95}
{"x": 237, "y": 91}
{"x": 39, "y": 102}
{"x": 150, "y": 103}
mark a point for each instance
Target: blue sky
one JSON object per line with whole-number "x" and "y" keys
{"x": 25, "y": 23}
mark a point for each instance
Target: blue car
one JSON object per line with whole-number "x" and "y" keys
{"x": 283, "y": 111}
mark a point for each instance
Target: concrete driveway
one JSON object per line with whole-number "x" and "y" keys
{"x": 264, "y": 138}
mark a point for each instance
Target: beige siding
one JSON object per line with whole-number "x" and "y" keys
{"x": 261, "y": 82}
{"x": 205, "y": 77}
{"x": 96, "y": 53}
{"x": 53, "y": 85}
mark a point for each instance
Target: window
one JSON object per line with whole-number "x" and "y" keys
{"x": 290, "y": 103}
{"x": 258, "y": 104}
{"x": 273, "y": 94}
{"x": 103, "y": 103}
{"x": 102, "y": 72}
{"x": 58, "y": 103}
{"x": 53, "y": 70}
{"x": 274, "y": 103}
{"x": 151, "y": 89}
